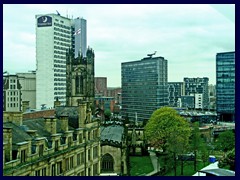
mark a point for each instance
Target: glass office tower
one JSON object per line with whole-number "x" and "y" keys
{"x": 144, "y": 87}
{"x": 225, "y": 87}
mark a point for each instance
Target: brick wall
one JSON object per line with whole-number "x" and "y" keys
{"x": 39, "y": 114}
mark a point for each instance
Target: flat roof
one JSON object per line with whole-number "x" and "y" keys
{"x": 218, "y": 172}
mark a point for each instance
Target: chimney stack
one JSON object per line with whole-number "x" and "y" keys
{"x": 64, "y": 122}
{"x": 51, "y": 124}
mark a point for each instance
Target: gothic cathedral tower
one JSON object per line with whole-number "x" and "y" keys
{"x": 80, "y": 78}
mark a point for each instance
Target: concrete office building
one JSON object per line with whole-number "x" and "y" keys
{"x": 28, "y": 83}
{"x": 11, "y": 93}
{"x": 55, "y": 34}
{"x": 225, "y": 87}
{"x": 198, "y": 85}
{"x": 144, "y": 87}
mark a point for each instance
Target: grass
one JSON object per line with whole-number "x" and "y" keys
{"x": 140, "y": 165}
{"x": 188, "y": 168}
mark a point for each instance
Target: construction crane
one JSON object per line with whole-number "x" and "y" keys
{"x": 150, "y": 55}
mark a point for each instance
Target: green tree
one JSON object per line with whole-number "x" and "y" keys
{"x": 195, "y": 142}
{"x": 107, "y": 114}
{"x": 225, "y": 141}
{"x": 228, "y": 160}
{"x": 168, "y": 131}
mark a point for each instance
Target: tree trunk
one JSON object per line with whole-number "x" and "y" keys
{"x": 195, "y": 160}
{"x": 181, "y": 167}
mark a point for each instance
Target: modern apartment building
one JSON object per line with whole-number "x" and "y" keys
{"x": 225, "y": 87}
{"x": 144, "y": 87}
{"x": 176, "y": 90}
{"x": 198, "y": 85}
{"x": 56, "y": 34}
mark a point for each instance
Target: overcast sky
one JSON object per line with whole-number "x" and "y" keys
{"x": 188, "y": 36}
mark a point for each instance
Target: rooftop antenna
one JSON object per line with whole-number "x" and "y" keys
{"x": 58, "y": 13}
{"x": 67, "y": 13}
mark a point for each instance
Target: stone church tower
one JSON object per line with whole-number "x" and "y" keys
{"x": 80, "y": 78}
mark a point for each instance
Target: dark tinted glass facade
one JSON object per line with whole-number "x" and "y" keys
{"x": 144, "y": 87}
{"x": 225, "y": 87}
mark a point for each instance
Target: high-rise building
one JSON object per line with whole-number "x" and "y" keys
{"x": 56, "y": 34}
{"x": 144, "y": 87}
{"x": 198, "y": 85}
{"x": 176, "y": 90}
{"x": 225, "y": 87}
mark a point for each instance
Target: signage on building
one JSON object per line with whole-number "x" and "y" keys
{"x": 44, "y": 21}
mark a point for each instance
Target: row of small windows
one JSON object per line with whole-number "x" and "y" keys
{"x": 59, "y": 93}
{"x": 59, "y": 61}
{"x": 60, "y": 57}
{"x": 59, "y": 52}
{"x": 59, "y": 79}
{"x": 62, "y": 39}
{"x": 13, "y": 99}
{"x": 12, "y": 93}
{"x": 12, "y": 80}
{"x": 60, "y": 48}
{"x": 59, "y": 66}
{"x": 59, "y": 84}
{"x": 59, "y": 75}
{"x": 60, "y": 70}
{"x": 62, "y": 30}
{"x": 61, "y": 34}
{"x": 12, "y": 105}
{"x": 62, "y": 26}
{"x": 59, "y": 88}
{"x": 62, "y": 44}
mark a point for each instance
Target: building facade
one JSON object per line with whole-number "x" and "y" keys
{"x": 225, "y": 87}
{"x": 80, "y": 78}
{"x": 28, "y": 83}
{"x": 144, "y": 87}
{"x": 55, "y": 34}
{"x": 114, "y": 148}
{"x": 12, "y": 93}
{"x": 176, "y": 90}
{"x": 67, "y": 144}
{"x": 194, "y": 86}
{"x": 101, "y": 86}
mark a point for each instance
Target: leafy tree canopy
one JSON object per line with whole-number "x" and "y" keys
{"x": 167, "y": 130}
{"x": 225, "y": 141}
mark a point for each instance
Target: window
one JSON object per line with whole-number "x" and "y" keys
{"x": 44, "y": 170}
{"x": 82, "y": 158}
{"x": 107, "y": 163}
{"x": 53, "y": 170}
{"x": 78, "y": 159}
{"x": 41, "y": 150}
{"x": 59, "y": 167}
{"x": 89, "y": 154}
{"x": 23, "y": 155}
{"x": 71, "y": 162}
{"x": 80, "y": 138}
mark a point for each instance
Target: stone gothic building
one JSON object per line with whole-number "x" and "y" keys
{"x": 66, "y": 144}
{"x": 80, "y": 78}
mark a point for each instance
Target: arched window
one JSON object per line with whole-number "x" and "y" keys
{"x": 107, "y": 163}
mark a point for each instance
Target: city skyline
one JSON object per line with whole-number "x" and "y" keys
{"x": 188, "y": 36}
